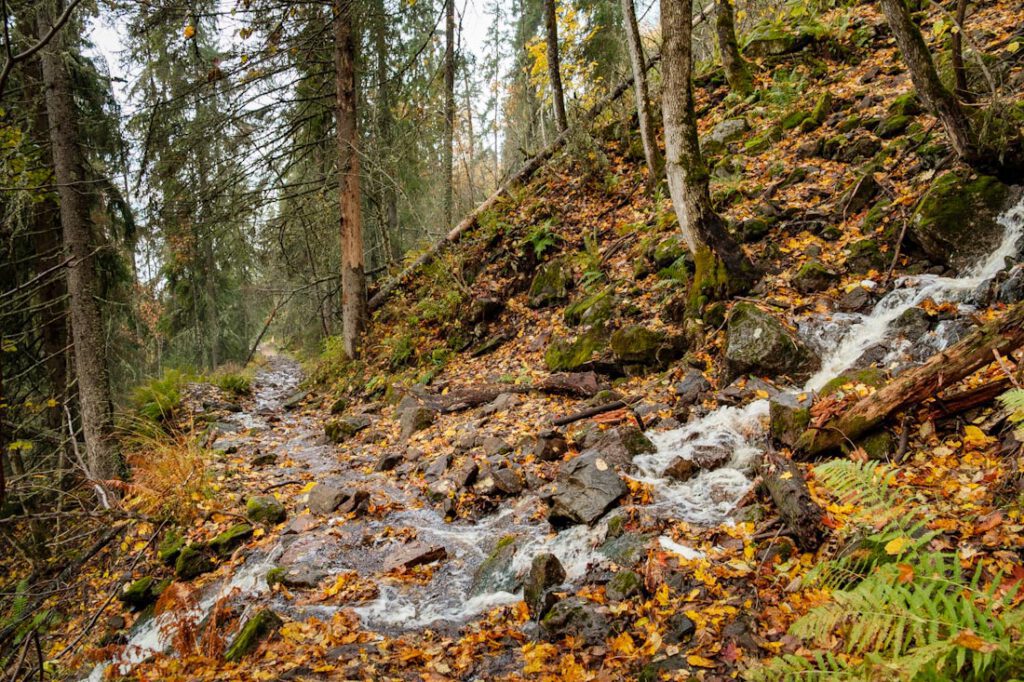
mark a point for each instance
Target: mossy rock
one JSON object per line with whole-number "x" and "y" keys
{"x": 955, "y": 223}
{"x": 874, "y": 217}
{"x": 226, "y": 542}
{"x": 794, "y": 118}
{"x": 260, "y": 627}
{"x": 568, "y": 356}
{"x": 822, "y": 108}
{"x": 789, "y": 416}
{"x": 495, "y": 574}
{"x": 759, "y": 144}
{"x": 339, "y": 405}
{"x": 880, "y": 446}
{"x": 850, "y": 123}
{"x": 265, "y": 509}
{"x": 812, "y": 277}
{"x": 760, "y": 344}
{"x": 275, "y": 576}
{"x": 170, "y": 547}
{"x": 668, "y": 251}
{"x": 592, "y": 309}
{"x": 341, "y": 429}
{"x": 864, "y": 255}
{"x": 754, "y": 229}
{"x": 623, "y": 585}
{"x": 771, "y": 40}
{"x": 892, "y": 126}
{"x": 869, "y": 376}
{"x": 551, "y": 284}
{"x": 906, "y": 104}
{"x": 142, "y": 592}
{"x": 642, "y": 346}
{"x": 193, "y": 561}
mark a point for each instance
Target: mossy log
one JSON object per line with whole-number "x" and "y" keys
{"x": 787, "y": 487}
{"x": 919, "y": 384}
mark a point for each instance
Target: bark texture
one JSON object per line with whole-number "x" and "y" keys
{"x": 554, "y": 65}
{"x": 722, "y": 268}
{"x": 737, "y": 71}
{"x": 353, "y": 278}
{"x": 103, "y": 461}
{"x": 449, "y": 111}
{"x": 643, "y": 99}
{"x": 940, "y": 101}
{"x": 787, "y": 487}
{"x": 919, "y": 384}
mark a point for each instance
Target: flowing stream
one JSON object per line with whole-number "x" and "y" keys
{"x": 449, "y": 599}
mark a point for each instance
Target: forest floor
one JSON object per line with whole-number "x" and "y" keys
{"x": 380, "y": 519}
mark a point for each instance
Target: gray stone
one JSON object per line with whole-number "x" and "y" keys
{"x": 590, "y": 488}
{"x": 416, "y": 553}
{"x": 388, "y": 461}
{"x": 493, "y": 446}
{"x": 416, "y": 419}
{"x": 856, "y": 300}
{"x": 575, "y": 617}
{"x": 729, "y": 130}
{"x": 760, "y": 344}
{"x": 623, "y": 585}
{"x": 1012, "y": 290}
{"x": 546, "y": 573}
{"x": 692, "y": 386}
{"x": 495, "y": 574}
{"x": 508, "y": 481}
{"x": 438, "y": 467}
{"x": 324, "y": 498}
{"x": 619, "y": 445}
{"x": 340, "y": 430}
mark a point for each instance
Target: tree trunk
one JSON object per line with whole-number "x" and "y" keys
{"x": 384, "y": 129}
{"x": 957, "y": 57}
{"x": 787, "y": 487}
{"x": 919, "y": 384}
{"x": 449, "y": 112}
{"x": 737, "y": 72}
{"x": 643, "y": 100}
{"x": 554, "y": 70}
{"x": 353, "y": 278}
{"x": 940, "y": 101}
{"x": 102, "y": 458}
{"x": 722, "y": 268}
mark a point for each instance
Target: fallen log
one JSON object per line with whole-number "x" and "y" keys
{"x": 589, "y": 412}
{"x": 961, "y": 401}
{"x": 787, "y": 487}
{"x": 917, "y": 385}
{"x": 576, "y": 384}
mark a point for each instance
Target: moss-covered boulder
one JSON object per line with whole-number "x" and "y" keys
{"x": 341, "y": 429}
{"x": 772, "y": 40}
{"x": 495, "y": 574}
{"x": 760, "y": 344}
{"x": 591, "y": 309}
{"x": 754, "y": 229}
{"x": 546, "y": 574}
{"x": 794, "y": 118}
{"x": 577, "y": 618}
{"x": 863, "y": 256}
{"x": 551, "y": 284}
{"x": 668, "y": 251}
{"x": 879, "y": 446}
{"x": 264, "y": 509}
{"x": 789, "y": 416}
{"x": 955, "y": 222}
{"x": 893, "y": 126}
{"x": 170, "y": 547}
{"x": 872, "y": 377}
{"x": 226, "y": 542}
{"x": 812, "y": 277}
{"x": 564, "y": 355}
{"x": 141, "y": 593}
{"x": 258, "y": 628}
{"x": 638, "y": 345}
{"x": 624, "y": 585}
{"x": 906, "y": 104}
{"x": 193, "y": 561}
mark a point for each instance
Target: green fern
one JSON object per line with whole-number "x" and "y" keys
{"x": 1013, "y": 401}
{"x": 901, "y": 609}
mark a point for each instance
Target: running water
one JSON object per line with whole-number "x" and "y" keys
{"x": 707, "y": 499}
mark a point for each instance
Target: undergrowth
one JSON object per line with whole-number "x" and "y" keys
{"x": 159, "y": 398}
{"x": 168, "y": 473}
{"x": 899, "y": 609}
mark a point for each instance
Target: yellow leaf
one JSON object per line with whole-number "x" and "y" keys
{"x": 700, "y": 661}
{"x": 624, "y": 645}
{"x": 896, "y": 545}
{"x": 975, "y": 436}
{"x": 189, "y": 32}
{"x": 786, "y": 476}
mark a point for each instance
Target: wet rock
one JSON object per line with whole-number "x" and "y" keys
{"x": 495, "y": 574}
{"x": 294, "y": 400}
{"x": 1012, "y": 290}
{"x": 623, "y": 585}
{"x": 710, "y": 455}
{"x": 912, "y": 324}
{"x": 789, "y": 417}
{"x": 304, "y": 575}
{"x": 551, "y": 284}
{"x": 591, "y": 487}
{"x": 618, "y": 446}
{"x": 494, "y": 446}
{"x": 388, "y": 461}
{"x": 813, "y": 277}
{"x": 260, "y": 627}
{"x": 743, "y": 389}
{"x": 546, "y": 573}
{"x": 955, "y": 223}
{"x": 141, "y": 593}
{"x": 856, "y": 300}
{"x": 193, "y": 561}
{"x": 760, "y": 344}
{"x": 682, "y": 469}
{"x": 416, "y": 553}
{"x": 637, "y": 345}
{"x": 575, "y": 617}
{"x": 340, "y": 430}
{"x": 626, "y": 549}
{"x": 225, "y": 543}
{"x": 692, "y": 386}
{"x": 416, "y": 419}
{"x": 265, "y": 509}
{"x": 508, "y": 481}
{"x": 550, "y": 446}
{"x": 441, "y": 490}
{"x": 300, "y": 524}
{"x": 324, "y": 498}
{"x": 170, "y": 547}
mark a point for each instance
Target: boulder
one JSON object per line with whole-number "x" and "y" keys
{"x": 546, "y": 573}
{"x": 789, "y": 417}
{"x": 912, "y": 324}
{"x": 438, "y": 467}
{"x": 494, "y": 446}
{"x": 225, "y": 543}
{"x": 261, "y": 626}
{"x": 619, "y": 445}
{"x": 729, "y": 130}
{"x": 507, "y": 481}
{"x": 760, "y": 344}
{"x": 551, "y": 284}
{"x": 303, "y": 575}
{"x": 193, "y": 561}
{"x": 626, "y": 549}
{"x": 893, "y": 126}
{"x": 550, "y": 445}
{"x": 415, "y": 419}
{"x": 591, "y": 309}
{"x": 340, "y": 430}
{"x": 955, "y": 223}
{"x": 495, "y": 574}
{"x": 577, "y": 618}
{"x": 813, "y": 277}
{"x": 590, "y": 488}
{"x": 1012, "y": 290}
{"x": 681, "y": 469}
{"x": 564, "y": 355}
{"x": 416, "y": 553}
{"x": 856, "y": 300}
{"x": 623, "y": 585}
{"x": 264, "y": 509}
{"x": 388, "y": 461}
{"x": 770, "y": 40}
{"x": 637, "y": 345}
{"x": 710, "y": 455}
{"x": 324, "y": 498}
{"x": 692, "y": 386}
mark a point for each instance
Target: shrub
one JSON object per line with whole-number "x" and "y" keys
{"x": 168, "y": 473}
{"x": 158, "y": 399}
